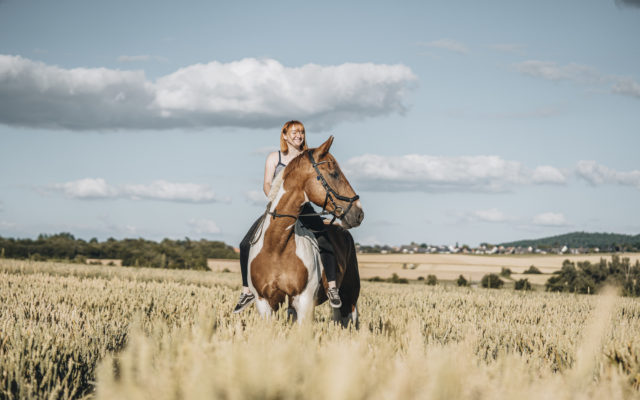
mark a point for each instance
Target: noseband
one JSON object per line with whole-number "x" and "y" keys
{"x": 337, "y": 212}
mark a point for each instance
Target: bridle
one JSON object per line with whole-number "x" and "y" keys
{"x": 329, "y": 191}
{"x": 337, "y": 212}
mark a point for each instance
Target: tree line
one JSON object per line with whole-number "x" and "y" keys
{"x": 175, "y": 254}
{"x": 585, "y": 277}
{"x": 609, "y": 242}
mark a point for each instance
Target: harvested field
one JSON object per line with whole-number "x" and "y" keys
{"x": 473, "y": 267}
{"x": 450, "y": 266}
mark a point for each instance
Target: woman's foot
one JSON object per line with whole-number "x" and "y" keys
{"x": 334, "y": 297}
{"x": 245, "y": 300}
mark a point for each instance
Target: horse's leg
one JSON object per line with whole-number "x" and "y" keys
{"x": 292, "y": 315}
{"x": 304, "y": 303}
{"x": 264, "y": 308}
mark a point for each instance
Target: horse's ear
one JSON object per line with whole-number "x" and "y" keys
{"x": 324, "y": 148}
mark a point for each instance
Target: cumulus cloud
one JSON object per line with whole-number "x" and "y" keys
{"x": 88, "y": 188}
{"x": 203, "y": 226}
{"x": 550, "y": 219}
{"x": 548, "y": 174}
{"x": 597, "y": 174}
{"x": 415, "y": 172}
{"x": 98, "y": 188}
{"x": 448, "y": 44}
{"x": 255, "y": 93}
{"x": 582, "y": 74}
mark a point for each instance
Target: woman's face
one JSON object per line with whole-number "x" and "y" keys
{"x": 294, "y": 136}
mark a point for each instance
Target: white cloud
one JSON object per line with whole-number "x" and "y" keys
{"x": 597, "y": 174}
{"x": 203, "y": 226}
{"x": 448, "y": 44}
{"x": 550, "y": 219}
{"x": 88, "y": 188}
{"x": 98, "y": 188}
{"x": 548, "y": 174}
{"x": 255, "y": 93}
{"x": 490, "y": 215}
{"x": 256, "y": 198}
{"x": 553, "y": 71}
{"x": 416, "y": 172}
{"x": 627, "y": 86}
{"x": 582, "y": 74}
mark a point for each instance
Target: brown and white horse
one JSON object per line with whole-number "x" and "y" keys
{"x": 284, "y": 261}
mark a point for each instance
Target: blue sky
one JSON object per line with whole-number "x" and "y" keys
{"x": 455, "y": 122}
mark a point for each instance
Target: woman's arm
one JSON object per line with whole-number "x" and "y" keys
{"x": 269, "y": 169}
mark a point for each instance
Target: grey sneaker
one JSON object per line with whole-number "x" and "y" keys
{"x": 243, "y": 302}
{"x": 334, "y": 298}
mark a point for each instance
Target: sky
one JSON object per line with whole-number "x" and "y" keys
{"x": 463, "y": 122}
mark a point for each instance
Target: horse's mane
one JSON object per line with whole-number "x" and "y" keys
{"x": 279, "y": 179}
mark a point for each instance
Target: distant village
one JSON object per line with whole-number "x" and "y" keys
{"x": 484, "y": 248}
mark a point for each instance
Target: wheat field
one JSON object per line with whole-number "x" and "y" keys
{"x": 76, "y": 331}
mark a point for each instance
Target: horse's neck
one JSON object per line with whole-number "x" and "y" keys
{"x": 287, "y": 202}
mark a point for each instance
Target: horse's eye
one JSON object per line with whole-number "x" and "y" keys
{"x": 334, "y": 174}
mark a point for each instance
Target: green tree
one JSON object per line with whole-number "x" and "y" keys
{"x": 491, "y": 281}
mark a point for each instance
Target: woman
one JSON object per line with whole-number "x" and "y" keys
{"x": 292, "y": 144}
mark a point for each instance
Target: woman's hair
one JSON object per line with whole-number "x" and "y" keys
{"x": 284, "y": 147}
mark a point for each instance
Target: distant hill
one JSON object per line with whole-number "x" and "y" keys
{"x": 603, "y": 241}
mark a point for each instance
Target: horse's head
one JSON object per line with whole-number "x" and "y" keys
{"x": 327, "y": 187}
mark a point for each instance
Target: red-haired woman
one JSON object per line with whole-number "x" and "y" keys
{"x": 292, "y": 143}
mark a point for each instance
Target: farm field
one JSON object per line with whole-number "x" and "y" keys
{"x": 108, "y": 332}
{"x": 450, "y": 266}
{"x": 472, "y": 267}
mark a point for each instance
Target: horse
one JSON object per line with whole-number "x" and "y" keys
{"x": 284, "y": 260}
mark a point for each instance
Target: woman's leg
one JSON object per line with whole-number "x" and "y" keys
{"x": 246, "y": 297}
{"x": 245, "y": 246}
{"x": 327, "y": 255}
{"x": 316, "y": 224}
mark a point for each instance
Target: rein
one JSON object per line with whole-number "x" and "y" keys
{"x": 329, "y": 191}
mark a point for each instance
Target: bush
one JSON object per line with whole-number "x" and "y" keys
{"x": 506, "y": 272}
{"x": 523, "y": 284}
{"x": 421, "y": 278}
{"x": 462, "y": 281}
{"x": 532, "y": 270}
{"x": 376, "y": 279}
{"x": 396, "y": 279}
{"x": 491, "y": 281}
{"x": 432, "y": 280}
